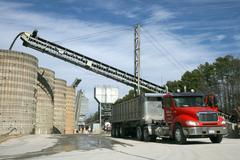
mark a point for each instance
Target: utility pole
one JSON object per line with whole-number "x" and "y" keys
{"x": 137, "y": 58}
{"x": 100, "y": 116}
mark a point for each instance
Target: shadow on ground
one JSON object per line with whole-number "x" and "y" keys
{"x": 170, "y": 141}
{"x": 192, "y": 142}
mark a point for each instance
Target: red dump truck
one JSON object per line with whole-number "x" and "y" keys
{"x": 172, "y": 115}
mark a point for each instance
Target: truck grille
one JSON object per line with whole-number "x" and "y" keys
{"x": 208, "y": 116}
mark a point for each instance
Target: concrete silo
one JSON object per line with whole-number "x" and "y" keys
{"x": 18, "y": 83}
{"x": 59, "y": 105}
{"x": 45, "y": 101}
{"x": 70, "y": 110}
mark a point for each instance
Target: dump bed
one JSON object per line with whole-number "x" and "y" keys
{"x": 146, "y": 107}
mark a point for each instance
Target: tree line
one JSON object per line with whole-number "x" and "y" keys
{"x": 222, "y": 78}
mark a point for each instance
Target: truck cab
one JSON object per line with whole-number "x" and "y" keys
{"x": 193, "y": 115}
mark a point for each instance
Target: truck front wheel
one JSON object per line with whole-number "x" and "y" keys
{"x": 216, "y": 138}
{"x": 179, "y": 136}
{"x": 139, "y": 133}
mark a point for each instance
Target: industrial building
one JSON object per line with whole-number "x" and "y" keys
{"x": 81, "y": 109}
{"x": 105, "y": 95}
{"x": 32, "y": 99}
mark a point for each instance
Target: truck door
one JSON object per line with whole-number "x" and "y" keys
{"x": 168, "y": 109}
{"x": 211, "y": 101}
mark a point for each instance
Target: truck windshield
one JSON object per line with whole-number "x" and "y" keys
{"x": 189, "y": 101}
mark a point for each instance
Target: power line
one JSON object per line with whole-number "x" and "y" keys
{"x": 163, "y": 50}
{"x": 156, "y": 47}
{"x": 90, "y": 35}
{"x": 151, "y": 38}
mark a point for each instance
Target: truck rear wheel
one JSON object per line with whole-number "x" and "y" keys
{"x": 117, "y": 134}
{"x": 113, "y": 132}
{"x": 121, "y": 132}
{"x": 139, "y": 134}
{"x": 179, "y": 136}
{"x": 216, "y": 138}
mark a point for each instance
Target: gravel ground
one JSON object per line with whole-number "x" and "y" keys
{"x": 89, "y": 147}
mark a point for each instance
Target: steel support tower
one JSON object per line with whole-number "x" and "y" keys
{"x": 137, "y": 58}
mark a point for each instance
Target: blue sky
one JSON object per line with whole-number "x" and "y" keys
{"x": 176, "y": 35}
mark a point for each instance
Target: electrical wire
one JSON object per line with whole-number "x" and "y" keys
{"x": 163, "y": 50}
{"x": 160, "y": 51}
{"x": 90, "y": 35}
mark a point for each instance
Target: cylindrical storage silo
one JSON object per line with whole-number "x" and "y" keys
{"x": 70, "y": 110}
{"x": 59, "y": 105}
{"x": 48, "y": 74}
{"x": 18, "y": 78}
{"x": 44, "y": 110}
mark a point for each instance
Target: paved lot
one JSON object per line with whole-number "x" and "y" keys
{"x": 90, "y": 147}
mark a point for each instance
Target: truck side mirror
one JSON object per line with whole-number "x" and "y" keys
{"x": 211, "y": 100}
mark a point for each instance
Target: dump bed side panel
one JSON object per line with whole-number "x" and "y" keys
{"x": 130, "y": 110}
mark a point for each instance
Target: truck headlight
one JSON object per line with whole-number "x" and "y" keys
{"x": 223, "y": 122}
{"x": 191, "y": 123}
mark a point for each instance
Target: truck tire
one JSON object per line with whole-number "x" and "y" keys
{"x": 121, "y": 132}
{"x": 147, "y": 137}
{"x": 216, "y": 138}
{"x": 179, "y": 136}
{"x": 139, "y": 133}
{"x": 117, "y": 132}
{"x": 113, "y": 132}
